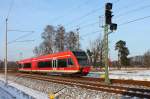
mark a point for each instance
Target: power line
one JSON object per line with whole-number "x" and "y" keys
{"x": 85, "y": 26}
{"x": 23, "y": 36}
{"x": 128, "y": 22}
{"x": 129, "y": 4}
{"x": 10, "y": 8}
{"x": 70, "y": 10}
{"x": 87, "y": 34}
{"x": 134, "y": 10}
{"x": 116, "y": 1}
{"x": 20, "y": 31}
{"x": 89, "y": 13}
{"x": 78, "y": 25}
{"x": 138, "y": 19}
{"x": 85, "y": 15}
{"x": 21, "y": 41}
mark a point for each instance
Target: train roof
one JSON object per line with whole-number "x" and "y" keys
{"x": 46, "y": 56}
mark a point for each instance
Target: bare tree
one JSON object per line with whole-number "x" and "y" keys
{"x": 60, "y": 38}
{"x": 47, "y": 46}
{"x": 49, "y": 38}
{"x": 71, "y": 41}
{"x": 36, "y": 51}
{"x": 147, "y": 59}
{"x": 94, "y": 52}
{"x": 56, "y": 40}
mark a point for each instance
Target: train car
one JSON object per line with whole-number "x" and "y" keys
{"x": 64, "y": 63}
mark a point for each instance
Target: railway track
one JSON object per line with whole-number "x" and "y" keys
{"x": 97, "y": 84}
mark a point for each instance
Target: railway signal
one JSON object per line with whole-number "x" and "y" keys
{"x": 109, "y": 27}
{"x": 113, "y": 27}
{"x": 108, "y": 13}
{"x": 108, "y": 17}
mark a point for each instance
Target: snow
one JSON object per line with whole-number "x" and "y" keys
{"x": 5, "y": 95}
{"x": 16, "y": 91}
{"x": 143, "y": 75}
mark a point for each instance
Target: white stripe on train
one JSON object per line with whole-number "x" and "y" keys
{"x": 67, "y": 71}
{"x": 47, "y": 58}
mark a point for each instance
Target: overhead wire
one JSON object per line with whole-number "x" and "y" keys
{"x": 116, "y": 1}
{"x": 125, "y": 23}
{"x": 85, "y": 26}
{"x": 128, "y": 5}
{"x": 19, "y": 30}
{"x": 86, "y": 15}
{"x": 134, "y": 10}
{"x": 10, "y": 8}
{"x": 21, "y": 41}
{"x": 89, "y": 13}
{"x": 70, "y": 10}
{"x": 131, "y": 21}
{"x": 23, "y": 36}
{"x": 80, "y": 24}
{"x": 128, "y": 22}
{"x": 87, "y": 34}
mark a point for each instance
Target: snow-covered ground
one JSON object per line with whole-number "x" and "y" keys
{"x": 125, "y": 74}
{"x": 15, "y": 91}
{"x": 5, "y": 95}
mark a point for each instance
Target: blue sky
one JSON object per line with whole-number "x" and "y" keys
{"x": 34, "y": 15}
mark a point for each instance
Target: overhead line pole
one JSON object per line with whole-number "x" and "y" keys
{"x": 6, "y": 51}
{"x": 78, "y": 38}
{"x": 106, "y": 47}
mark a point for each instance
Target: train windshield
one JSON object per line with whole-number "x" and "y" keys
{"x": 81, "y": 57}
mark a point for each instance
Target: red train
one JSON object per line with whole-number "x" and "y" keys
{"x": 68, "y": 62}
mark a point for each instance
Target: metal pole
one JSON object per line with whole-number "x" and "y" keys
{"x": 6, "y": 52}
{"x": 107, "y": 80}
{"x": 106, "y": 49}
{"x": 78, "y": 38}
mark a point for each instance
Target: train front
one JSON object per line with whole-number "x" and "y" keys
{"x": 83, "y": 62}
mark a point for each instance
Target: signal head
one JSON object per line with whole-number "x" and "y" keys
{"x": 108, "y": 6}
{"x": 113, "y": 27}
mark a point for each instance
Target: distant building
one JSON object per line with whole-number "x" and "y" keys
{"x": 1, "y": 64}
{"x": 137, "y": 60}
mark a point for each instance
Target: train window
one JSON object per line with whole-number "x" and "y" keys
{"x": 62, "y": 63}
{"x": 81, "y": 57}
{"x": 27, "y": 65}
{"x": 19, "y": 65}
{"x": 70, "y": 62}
{"x": 45, "y": 64}
{"x": 83, "y": 62}
{"x": 79, "y": 53}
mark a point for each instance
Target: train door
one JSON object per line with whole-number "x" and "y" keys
{"x": 54, "y": 64}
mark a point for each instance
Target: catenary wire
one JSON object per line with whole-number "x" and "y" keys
{"x": 138, "y": 19}
{"x": 10, "y": 8}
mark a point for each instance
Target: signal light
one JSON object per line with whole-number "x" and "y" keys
{"x": 108, "y": 13}
{"x": 113, "y": 27}
{"x": 108, "y": 6}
